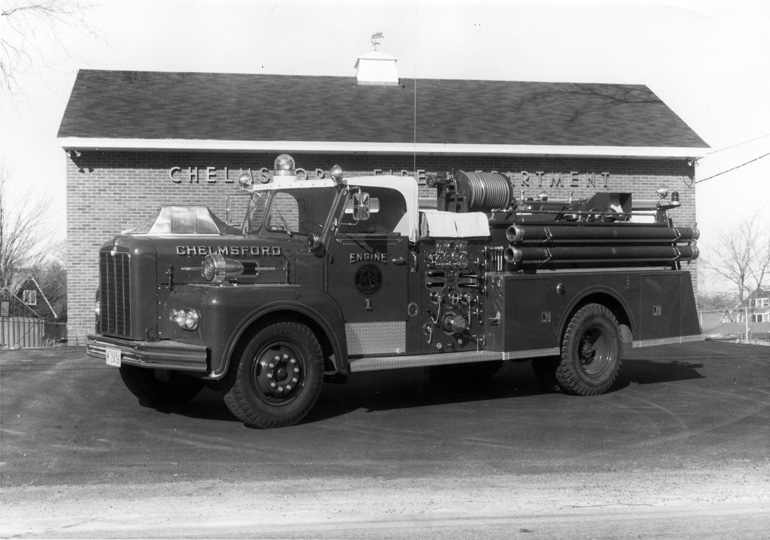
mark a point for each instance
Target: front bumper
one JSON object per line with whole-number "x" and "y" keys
{"x": 165, "y": 354}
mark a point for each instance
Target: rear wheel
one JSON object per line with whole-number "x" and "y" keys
{"x": 155, "y": 392}
{"x": 591, "y": 352}
{"x": 277, "y": 378}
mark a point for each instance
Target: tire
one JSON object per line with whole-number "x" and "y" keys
{"x": 153, "y": 392}
{"x": 277, "y": 379}
{"x": 591, "y": 352}
{"x": 545, "y": 371}
{"x": 464, "y": 373}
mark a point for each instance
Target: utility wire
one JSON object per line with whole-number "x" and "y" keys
{"x": 732, "y": 169}
{"x": 737, "y": 144}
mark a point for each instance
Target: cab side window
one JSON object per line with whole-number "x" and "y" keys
{"x": 388, "y": 215}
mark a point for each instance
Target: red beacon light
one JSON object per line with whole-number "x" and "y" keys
{"x": 284, "y": 166}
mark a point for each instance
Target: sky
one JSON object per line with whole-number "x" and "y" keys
{"x": 708, "y": 60}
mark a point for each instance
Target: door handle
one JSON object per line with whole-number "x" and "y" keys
{"x": 400, "y": 261}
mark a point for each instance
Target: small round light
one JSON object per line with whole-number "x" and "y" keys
{"x": 284, "y": 165}
{"x": 98, "y": 308}
{"x": 216, "y": 269}
{"x": 209, "y": 268}
{"x": 245, "y": 179}
{"x": 336, "y": 174}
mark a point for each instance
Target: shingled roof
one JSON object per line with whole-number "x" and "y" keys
{"x": 161, "y": 110}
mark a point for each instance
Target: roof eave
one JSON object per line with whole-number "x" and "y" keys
{"x": 205, "y": 145}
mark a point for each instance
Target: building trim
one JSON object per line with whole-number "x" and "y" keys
{"x": 347, "y": 147}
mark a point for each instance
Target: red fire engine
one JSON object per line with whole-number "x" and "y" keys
{"x": 332, "y": 276}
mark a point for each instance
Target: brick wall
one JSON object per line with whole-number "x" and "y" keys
{"x": 108, "y": 192}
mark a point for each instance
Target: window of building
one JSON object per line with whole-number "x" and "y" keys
{"x": 30, "y": 297}
{"x": 760, "y": 317}
{"x": 5, "y": 309}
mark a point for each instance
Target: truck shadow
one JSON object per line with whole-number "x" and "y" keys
{"x": 413, "y": 388}
{"x": 641, "y": 371}
{"x": 403, "y": 389}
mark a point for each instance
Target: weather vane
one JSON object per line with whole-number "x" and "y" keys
{"x": 376, "y": 39}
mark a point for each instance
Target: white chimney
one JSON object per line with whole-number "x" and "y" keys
{"x": 377, "y": 68}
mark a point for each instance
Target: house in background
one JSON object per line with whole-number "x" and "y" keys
{"x": 756, "y": 306}
{"x": 30, "y": 293}
{"x": 20, "y": 325}
{"x": 733, "y": 324}
{"x": 27, "y": 318}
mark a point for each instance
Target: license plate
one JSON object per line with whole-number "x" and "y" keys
{"x": 113, "y": 357}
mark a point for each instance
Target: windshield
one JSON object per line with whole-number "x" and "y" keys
{"x": 294, "y": 212}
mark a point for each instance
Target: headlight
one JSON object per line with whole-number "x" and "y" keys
{"x": 98, "y": 308}
{"x": 186, "y": 319}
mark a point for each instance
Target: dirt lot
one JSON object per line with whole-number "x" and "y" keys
{"x": 679, "y": 449}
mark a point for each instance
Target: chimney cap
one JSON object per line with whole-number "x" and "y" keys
{"x": 376, "y": 68}
{"x": 374, "y": 55}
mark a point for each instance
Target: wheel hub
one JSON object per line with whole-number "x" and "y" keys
{"x": 593, "y": 351}
{"x": 278, "y": 373}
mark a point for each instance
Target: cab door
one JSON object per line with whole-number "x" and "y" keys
{"x": 368, "y": 273}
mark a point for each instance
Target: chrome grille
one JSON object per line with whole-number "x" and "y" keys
{"x": 115, "y": 298}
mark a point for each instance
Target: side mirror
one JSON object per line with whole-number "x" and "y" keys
{"x": 361, "y": 206}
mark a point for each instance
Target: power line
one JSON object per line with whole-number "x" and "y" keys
{"x": 732, "y": 169}
{"x": 737, "y": 144}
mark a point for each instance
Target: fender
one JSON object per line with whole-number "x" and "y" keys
{"x": 229, "y": 311}
{"x": 603, "y": 290}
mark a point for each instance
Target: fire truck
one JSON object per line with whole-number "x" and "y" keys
{"x": 327, "y": 277}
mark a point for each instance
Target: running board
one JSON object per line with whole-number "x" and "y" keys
{"x": 375, "y": 363}
{"x": 668, "y": 341}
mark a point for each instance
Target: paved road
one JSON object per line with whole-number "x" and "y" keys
{"x": 679, "y": 449}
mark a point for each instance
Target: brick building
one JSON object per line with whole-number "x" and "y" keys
{"x": 137, "y": 140}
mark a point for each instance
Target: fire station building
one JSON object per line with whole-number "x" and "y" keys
{"x": 136, "y": 141}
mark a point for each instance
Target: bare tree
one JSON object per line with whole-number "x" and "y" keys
{"x": 742, "y": 255}
{"x": 32, "y": 36}
{"x": 761, "y": 268}
{"x": 23, "y": 237}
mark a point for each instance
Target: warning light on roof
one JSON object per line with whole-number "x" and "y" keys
{"x": 284, "y": 165}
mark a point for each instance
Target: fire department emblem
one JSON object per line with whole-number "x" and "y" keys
{"x": 368, "y": 279}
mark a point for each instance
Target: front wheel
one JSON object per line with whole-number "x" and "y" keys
{"x": 591, "y": 352}
{"x": 277, "y": 378}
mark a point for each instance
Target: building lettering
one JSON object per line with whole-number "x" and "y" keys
{"x": 520, "y": 179}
